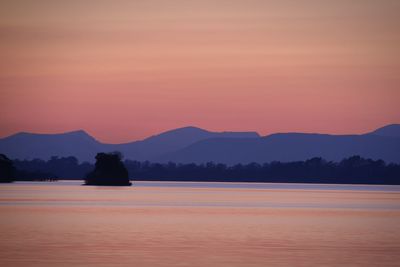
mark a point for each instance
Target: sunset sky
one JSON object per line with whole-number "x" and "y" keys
{"x": 124, "y": 70}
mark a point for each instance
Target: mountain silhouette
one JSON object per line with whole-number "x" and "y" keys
{"x": 169, "y": 141}
{"x": 84, "y": 147}
{"x": 43, "y": 146}
{"x": 391, "y": 130}
{"x": 192, "y": 144}
{"x": 286, "y": 147}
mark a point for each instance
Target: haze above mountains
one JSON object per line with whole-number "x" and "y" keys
{"x": 192, "y": 144}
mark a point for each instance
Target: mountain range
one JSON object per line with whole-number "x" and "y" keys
{"x": 192, "y": 144}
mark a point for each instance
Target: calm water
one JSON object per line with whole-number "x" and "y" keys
{"x": 199, "y": 224}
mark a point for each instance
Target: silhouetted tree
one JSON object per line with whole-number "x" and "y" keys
{"x": 109, "y": 170}
{"x": 316, "y": 170}
{"x": 56, "y": 167}
{"x": 7, "y": 170}
{"x": 354, "y": 170}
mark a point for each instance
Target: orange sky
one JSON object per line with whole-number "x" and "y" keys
{"x": 123, "y": 70}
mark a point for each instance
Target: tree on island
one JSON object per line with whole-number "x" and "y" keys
{"x": 109, "y": 170}
{"x": 7, "y": 170}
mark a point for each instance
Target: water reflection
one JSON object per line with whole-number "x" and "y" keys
{"x": 157, "y": 224}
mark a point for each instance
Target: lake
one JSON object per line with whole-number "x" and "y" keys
{"x": 199, "y": 224}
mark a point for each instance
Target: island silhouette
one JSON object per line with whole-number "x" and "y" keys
{"x": 109, "y": 171}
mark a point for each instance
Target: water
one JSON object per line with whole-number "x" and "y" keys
{"x": 199, "y": 224}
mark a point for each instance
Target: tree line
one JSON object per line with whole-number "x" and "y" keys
{"x": 354, "y": 170}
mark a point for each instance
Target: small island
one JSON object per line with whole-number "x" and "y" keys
{"x": 109, "y": 171}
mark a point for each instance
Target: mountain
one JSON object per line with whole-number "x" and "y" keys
{"x": 192, "y": 144}
{"x": 173, "y": 140}
{"x": 391, "y": 130}
{"x": 43, "y": 146}
{"x": 84, "y": 147}
{"x": 287, "y": 147}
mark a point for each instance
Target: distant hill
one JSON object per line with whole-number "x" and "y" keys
{"x": 170, "y": 141}
{"x": 392, "y": 130}
{"x": 85, "y": 147}
{"x": 43, "y": 146}
{"x": 192, "y": 144}
{"x": 288, "y": 147}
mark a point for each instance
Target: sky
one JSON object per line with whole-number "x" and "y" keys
{"x": 124, "y": 70}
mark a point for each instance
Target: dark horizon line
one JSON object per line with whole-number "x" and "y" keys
{"x": 353, "y": 170}
{"x": 55, "y": 157}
